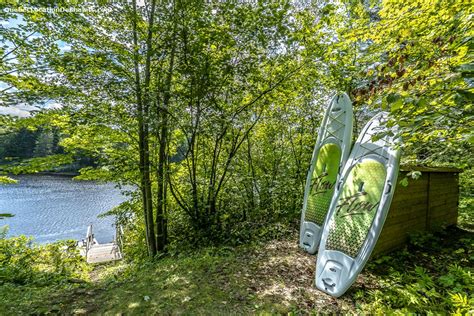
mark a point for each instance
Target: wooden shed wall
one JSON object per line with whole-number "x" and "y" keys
{"x": 427, "y": 203}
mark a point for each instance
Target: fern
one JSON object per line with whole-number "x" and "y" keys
{"x": 462, "y": 303}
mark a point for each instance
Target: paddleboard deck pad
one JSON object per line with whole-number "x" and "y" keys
{"x": 330, "y": 153}
{"x": 359, "y": 207}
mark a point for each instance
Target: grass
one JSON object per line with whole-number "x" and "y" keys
{"x": 274, "y": 277}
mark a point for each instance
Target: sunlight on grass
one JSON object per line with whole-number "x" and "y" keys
{"x": 275, "y": 278}
{"x": 134, "y": 305}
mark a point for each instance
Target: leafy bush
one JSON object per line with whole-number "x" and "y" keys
{"x": 430, "y": 275}
{"x": 23, "y": 262}
{"x": 466, "y": 200}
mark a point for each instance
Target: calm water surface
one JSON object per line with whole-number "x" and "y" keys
{"x": 51, "y": 208}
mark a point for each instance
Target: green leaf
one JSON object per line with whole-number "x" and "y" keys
{"x": 466, "y": 68}
{"x": 7, "y": 180}
{"x": 414, "y": 174}
{"x": 396, "y": 105}
{"x": 393, "y": 97}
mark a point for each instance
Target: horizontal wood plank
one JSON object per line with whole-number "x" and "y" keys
{"x": 408, "y": 168}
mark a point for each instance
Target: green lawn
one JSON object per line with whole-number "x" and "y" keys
{"x": 433, "y": 273}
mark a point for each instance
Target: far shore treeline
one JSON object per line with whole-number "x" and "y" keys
{"x": 21, "y": 144}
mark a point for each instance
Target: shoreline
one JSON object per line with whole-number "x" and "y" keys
{"x": 46, "y": 173}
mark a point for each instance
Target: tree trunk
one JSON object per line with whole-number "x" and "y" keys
{"x": 143, "y": 130}
{"x": 161, "y": 220}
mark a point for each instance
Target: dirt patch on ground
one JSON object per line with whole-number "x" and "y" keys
{"x": 281, "y": 274}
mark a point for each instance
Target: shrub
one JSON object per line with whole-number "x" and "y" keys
{"x": 24, "y": 262}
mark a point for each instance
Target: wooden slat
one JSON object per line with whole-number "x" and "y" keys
{"x": 387, "y": 245}
{"x": 392, "y": 242}
{"x": 437, "y": 179}
{"x": 430, "y": 169}
{"x": 403, "y": 206}
{"x": 436, "y": 182}
{"x": 410, "y": 194}
{"x": 443, "y": 209}
{"x": 386, "y": 248}
{"x": 103, "y": 253}
{"x": 444, "y": 189}
{"x": 441, "y": 206}
{"x": 412, "y": 206}
{"x": 442, "y": 221}
{"x": 402, "y": 229}
{"x": 447, "y": 214}
{"x": 407, "y": 197}
{"x": 443, "y": 182}
{"x": 405, "y": 222}
{"x": 397, "y": 215}
{"x": 443, "y": 199}
{"x": 412, "y": 183}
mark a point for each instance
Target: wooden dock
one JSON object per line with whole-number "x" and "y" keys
{"x": 103, "y": 252}
{"x": 97, "y": 253}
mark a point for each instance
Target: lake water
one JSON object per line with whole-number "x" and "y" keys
{"x": 51, "y": 208}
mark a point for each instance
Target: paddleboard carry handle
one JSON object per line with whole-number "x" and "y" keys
{"x": 389, "y": 188}
{"x": 307, "y": 235}
{"x": 327, "y": 281}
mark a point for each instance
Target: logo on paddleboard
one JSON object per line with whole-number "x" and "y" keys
{"x": 320, "y": 185}
{"x": 352, "y": 205}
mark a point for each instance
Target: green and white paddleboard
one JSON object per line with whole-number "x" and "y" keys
{"x": 359, "y": 207}
{"x": 330, "y": 153}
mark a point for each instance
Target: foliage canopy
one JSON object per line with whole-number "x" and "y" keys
{"x": 211, "y": 109}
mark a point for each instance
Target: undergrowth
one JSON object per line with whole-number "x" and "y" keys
{"x": 24, "y": 262}
{"x": 31, "y": 272}
{"x": 433, "y": 274}
{"x": 466, "y": 200}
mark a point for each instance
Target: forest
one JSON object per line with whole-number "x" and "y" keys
{"x": 20, "y": 145}
{"x": 208, "y": 112}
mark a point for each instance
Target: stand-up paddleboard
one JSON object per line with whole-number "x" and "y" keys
{"x": 330, "y": 153}
{"x": 359, "y": 208}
